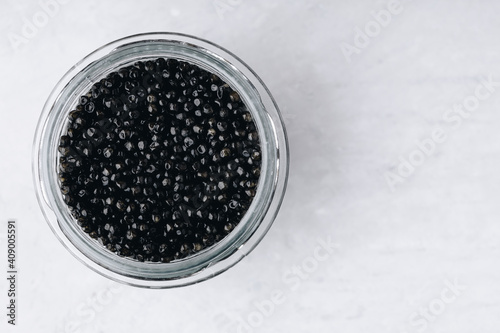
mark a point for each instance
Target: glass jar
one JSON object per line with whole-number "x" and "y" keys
{"x": 208, "y": 262}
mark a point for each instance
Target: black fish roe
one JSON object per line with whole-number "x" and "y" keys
{"x": 159, "y": 160}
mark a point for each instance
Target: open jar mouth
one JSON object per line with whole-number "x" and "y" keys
{"x": 274, "y": 165}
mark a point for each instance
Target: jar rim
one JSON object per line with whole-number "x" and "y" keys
{"x": 272, "y": 183}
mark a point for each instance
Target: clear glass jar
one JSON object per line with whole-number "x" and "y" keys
{"x": 274, "y": 169}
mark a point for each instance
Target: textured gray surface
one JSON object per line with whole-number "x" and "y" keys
{"x": 395, "y": 252}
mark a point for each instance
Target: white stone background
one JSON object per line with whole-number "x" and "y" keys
{"x": 396, "y": 252}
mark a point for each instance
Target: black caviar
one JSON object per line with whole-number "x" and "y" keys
{"x": 159, "y": 160}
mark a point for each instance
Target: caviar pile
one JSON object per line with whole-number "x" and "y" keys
{"x": 159, "y": 160}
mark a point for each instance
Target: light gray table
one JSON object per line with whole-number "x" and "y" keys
{"x": 395, "y": 152}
